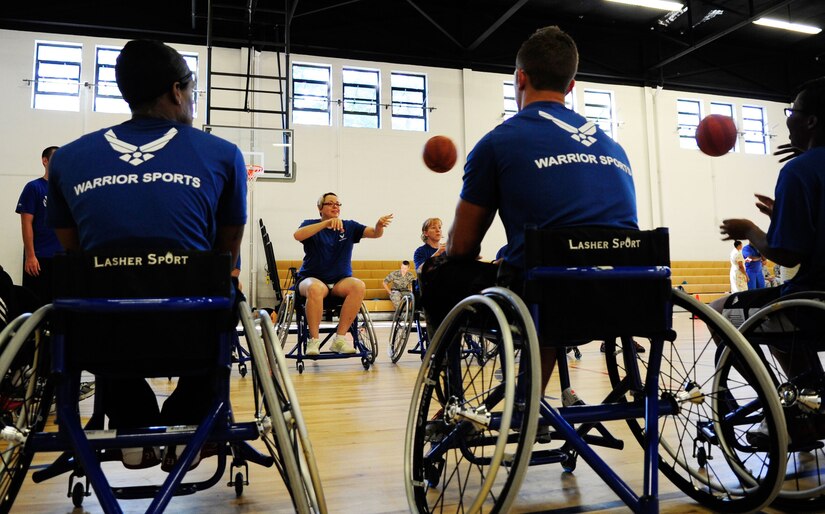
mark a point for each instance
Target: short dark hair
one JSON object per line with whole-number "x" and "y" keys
{"x": 323, "y": 197}
{"x": 145, "y": 69}
{"x": 405, "y": 263}
{"x": 549, "y": 58}
{"x": 737, "y": 243}
{"x": 48, "y": 151}
{"x": 812, "y": 94}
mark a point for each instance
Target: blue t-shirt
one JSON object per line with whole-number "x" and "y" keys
{"x": 798, "y": 220}
{"x": 548, "y": 166}
{"x": 328, "y": 254}
{"x": 422, "y": 253}
{"x": 148, "y": 182}
{"x": 754, "y": 266}
{"x": 33, "y": 201}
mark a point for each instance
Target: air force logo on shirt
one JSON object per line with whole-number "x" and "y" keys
{"x": 583, "y": 134}
{"x": 136, "y": 155}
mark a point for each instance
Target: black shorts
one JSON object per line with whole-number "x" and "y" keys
{"x": 740, "y": 306}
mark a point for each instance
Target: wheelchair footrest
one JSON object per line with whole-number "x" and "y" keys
{"x": 150, "y": 491}
{"x": 547, "y": 457}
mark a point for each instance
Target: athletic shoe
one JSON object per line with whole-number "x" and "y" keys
{"x": 313, "y": 347}
{"x": 340, "y": 345}
{"x": 87, "y": 389}
{"x": 170, "y": 456}
{"x": 140, "y": 458}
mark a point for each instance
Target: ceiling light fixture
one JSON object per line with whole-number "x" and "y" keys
{"x": 653, "y": 4}
{"x": 795, "y": 27}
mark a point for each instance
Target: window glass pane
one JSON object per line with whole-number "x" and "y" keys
{"x": 510, "y": 106}
{"x": 361, "y": 90}
{"x": 57, "y": 76}
{"x": 754, "y": 123}
{"x": 598, "y": 107}
{"x": 688, "y": 115}
{"x": 409, "y": 101}
{"x": 311, "y": 94}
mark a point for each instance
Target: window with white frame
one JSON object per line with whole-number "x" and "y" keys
{"x": 688, "y": 116}
{"x": 311, "y": 85}
{"x": 107, "y": 94}
{"x": 598, "y": 107}
{"x": 361, "y": 97}
{"x": 754, "y": 124}
{"x": 510, "y": 106}
{"x": 409, "y": 101}
{"x": 570, "y": 100}
{"x": 725, "y": 109}
{"x": 57, "y": 76}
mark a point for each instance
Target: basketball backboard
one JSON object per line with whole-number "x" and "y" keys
{"x": 270, "y": 148}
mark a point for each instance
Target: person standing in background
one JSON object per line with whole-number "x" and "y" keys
{"x": 40, "y": 242}
{"x": 738, "y": 275}
{"x": 753, "y": 267}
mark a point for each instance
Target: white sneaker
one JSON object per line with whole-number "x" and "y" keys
{"x": 340, "y": 345}
{"x": 313, "y": 346}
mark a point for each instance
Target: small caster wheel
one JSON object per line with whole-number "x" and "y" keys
{"x": 238, "y": 484}
{"x": 569, "y": 464}
{"x": 242, "y": 369}
{"x": 300, "y": 367}
{"x": 78, "y": 494}
{"x": 577, "y": 353}
{"x": 701, "y": 457}
{"x": 365, "y": 362}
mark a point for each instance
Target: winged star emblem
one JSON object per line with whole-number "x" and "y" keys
{"x": 583, "y": 134}
{"x": 136, "y": 155}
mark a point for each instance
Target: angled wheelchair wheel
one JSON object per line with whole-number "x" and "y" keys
{"x": 788, "y": 334}
{"x": 468, "y": 453}
{"x": 366, "y": 336}
{"x": 26, "y": 396}
{"x": 723, "y": 393}
{"x": 283, "y": 429}
{"x": 285, "y": 313}
{"x": 402, "y": 321}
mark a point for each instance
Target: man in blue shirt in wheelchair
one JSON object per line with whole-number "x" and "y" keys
{"x": 796, "y": 235}
{"x": 151, "y": 182}
{"x": 546, "y": 166}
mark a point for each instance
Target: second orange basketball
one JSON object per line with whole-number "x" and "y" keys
{"x": 440, "y": 154}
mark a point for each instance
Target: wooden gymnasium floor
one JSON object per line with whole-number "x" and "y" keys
{"x": 356, "y": 420}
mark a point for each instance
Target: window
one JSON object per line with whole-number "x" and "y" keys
{"x": 310, "y": 94}
{"x": 409, "y": 101}
{"x": 57, "y": 76}
{"x": 107, "y": 94}
{"x": 570, "y": 100}
{"x": 510, "y": 107}
{"x": 725, "y": 109}
{"x": 361, "y": 98}
{"x": 688, "y": 115}
{"x": 598, "y": 107}
{"x": 753, "y": 126}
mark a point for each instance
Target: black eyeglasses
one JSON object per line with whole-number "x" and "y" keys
{"x": 332, "y": 204}
{"x": 791, "y": 110}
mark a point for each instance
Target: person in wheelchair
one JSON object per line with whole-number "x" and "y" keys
{"x": 327, "y": 268}
{"x": 546, "y": 166}
{"x": 432, "y": 247}
{"x": 399, "y": 282}
{"x": 152, "y": 182}
{"x": 796, "y": 235}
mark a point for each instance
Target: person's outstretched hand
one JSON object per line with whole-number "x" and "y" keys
{"x": 765, "y": 204}
{"x": 384, "y": 221}
{"x": 788, "y": 151}
{"x": 736, "y": 229}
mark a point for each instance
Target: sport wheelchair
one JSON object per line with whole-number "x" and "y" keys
{"x": 406, "y": 317}
{"x": 293, "y": 308}
{"x": 135, "y": 315}
{"x": 789, "y": 334}
{"x": 476, "y": 408}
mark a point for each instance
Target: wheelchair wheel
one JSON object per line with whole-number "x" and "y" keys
{"x": 285, "y": 313}
{"x": 469, "y": 452}
{"x": 787, "y": 334}
{"x": 723, "y": 392}
{"x": 366, "y": 336}
{"x": 402, "y": 321}
{"x": 26, "y": 396}
{"x": 283, "y": 429}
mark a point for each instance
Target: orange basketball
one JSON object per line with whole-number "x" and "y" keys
{"x": 716, "y": 135}
{"x": 440, "y": 154}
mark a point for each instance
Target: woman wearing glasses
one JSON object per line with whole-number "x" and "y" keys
{"x": 327, "y": 268}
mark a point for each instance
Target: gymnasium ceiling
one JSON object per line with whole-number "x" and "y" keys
{"x": 711, "y": 46}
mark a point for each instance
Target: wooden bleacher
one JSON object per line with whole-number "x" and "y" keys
{"x": 708, "y": 279}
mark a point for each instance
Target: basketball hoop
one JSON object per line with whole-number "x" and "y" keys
{"x": 253, "y": 171}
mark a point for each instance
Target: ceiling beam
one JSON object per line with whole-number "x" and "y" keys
{"x": 436, "y": 25}
{"x": 729, "y": 30}
{"x": 506, "y": 16}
